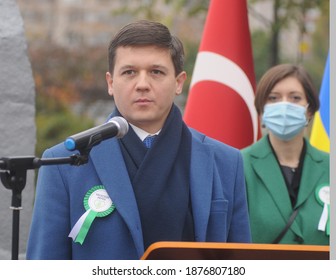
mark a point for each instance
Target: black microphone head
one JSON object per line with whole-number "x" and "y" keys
{"x": 122, "y": 125}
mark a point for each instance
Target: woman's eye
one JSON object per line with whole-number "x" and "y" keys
{"x": 272, "y": 98}
{"x": 296, "y": 98}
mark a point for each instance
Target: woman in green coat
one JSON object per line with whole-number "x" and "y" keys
{"x": 287, "y": 179}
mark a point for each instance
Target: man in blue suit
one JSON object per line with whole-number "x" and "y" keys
{"x": 185, "y": 187}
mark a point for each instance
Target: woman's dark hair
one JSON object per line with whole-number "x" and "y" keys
{"x": 278, "y": 73}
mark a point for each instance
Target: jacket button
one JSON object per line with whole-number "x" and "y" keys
{"x": 298, "y": 239}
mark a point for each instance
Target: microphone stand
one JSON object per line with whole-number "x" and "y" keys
{"x": 13, "y": 172}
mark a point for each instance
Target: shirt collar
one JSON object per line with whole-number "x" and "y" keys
{"x": 142, "y": 134}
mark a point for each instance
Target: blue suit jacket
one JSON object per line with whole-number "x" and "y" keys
{"x": 217, "y": 194}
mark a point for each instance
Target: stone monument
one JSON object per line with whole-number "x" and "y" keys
{"x": 17, "y": 120}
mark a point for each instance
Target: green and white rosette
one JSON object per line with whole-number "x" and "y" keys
{"x": 97, "y": 203}
{"x": 322, "y": 195}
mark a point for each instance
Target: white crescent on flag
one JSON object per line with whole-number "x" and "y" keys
{"x": 210, "y": 66}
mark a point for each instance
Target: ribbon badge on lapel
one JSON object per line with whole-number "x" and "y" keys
{"x": 97, "y": 203}
{"x": 322, "y": 195}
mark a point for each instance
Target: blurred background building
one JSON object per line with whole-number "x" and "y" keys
{"x": 74, "y": 30}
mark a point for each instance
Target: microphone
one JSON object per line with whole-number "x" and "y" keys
{"x": 115, "y": 127}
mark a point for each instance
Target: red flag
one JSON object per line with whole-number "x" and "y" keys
{"x": 221, "y": 98}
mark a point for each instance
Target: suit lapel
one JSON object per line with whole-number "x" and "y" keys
{"x": 308, "y": 182}
{"x": 269, "y": 172}
{"x": 201, "y": 177}
{"x": 109, "y": 163}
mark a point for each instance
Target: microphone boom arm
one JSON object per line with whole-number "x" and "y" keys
{"x": 13, "y": 170}
{"x": 13, "y": 173}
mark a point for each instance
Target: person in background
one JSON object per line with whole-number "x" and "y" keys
{"x": 287, "y": 179}
{"x": 185, "y": 187}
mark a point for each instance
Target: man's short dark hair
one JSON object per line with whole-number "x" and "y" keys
{"x": 147, "y": 33}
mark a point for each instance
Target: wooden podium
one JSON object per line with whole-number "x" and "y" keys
{"x": 233, "y": 251}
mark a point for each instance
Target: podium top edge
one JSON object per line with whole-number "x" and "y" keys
{"x": 232, "y": 246}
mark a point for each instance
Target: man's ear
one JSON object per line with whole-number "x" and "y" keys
{"x": 180, "y": 79}
{"x": 109, "y": 82}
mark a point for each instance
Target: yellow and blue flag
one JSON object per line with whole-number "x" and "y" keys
{"x": 320, "y": 134}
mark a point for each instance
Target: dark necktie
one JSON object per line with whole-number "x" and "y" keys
{"x": 148, "y": 141}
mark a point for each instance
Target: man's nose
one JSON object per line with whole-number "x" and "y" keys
{"x": 142, "y": 81}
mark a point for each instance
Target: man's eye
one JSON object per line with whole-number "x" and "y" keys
{"x": 157, "y": 72}
{"x": 128, "y": 72}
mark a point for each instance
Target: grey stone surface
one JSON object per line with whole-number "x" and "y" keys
{"x": 17, "y": 120}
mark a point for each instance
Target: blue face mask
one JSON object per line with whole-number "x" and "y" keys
{"x": 284, "y": 119}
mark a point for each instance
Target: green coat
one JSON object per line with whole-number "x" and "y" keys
{"x": 268, "y": 198}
